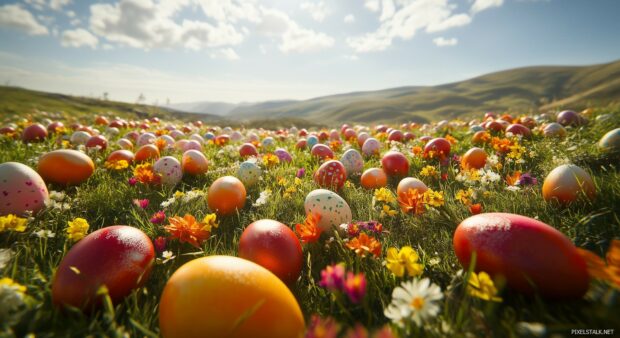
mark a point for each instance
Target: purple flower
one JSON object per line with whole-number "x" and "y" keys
{"x": 527, "y": 179}
{"x": 160, "y": 244}
{"x": 355, "y": 287}
{"x": 300, "y": 173}
{"x": 332, "y": 277}
{"x": 158, "y": 217}
{"x": 143, "y": 204}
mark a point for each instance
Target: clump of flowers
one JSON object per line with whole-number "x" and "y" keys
{"x": 262, "y": 198}
{"x": 158, "y": 217}
{"x": 364, "y": 244}
{"x": 12, "y": 299}
{"x": 355, "y": 228}
{"x": 116, "y": 165}
{"x": 58, "y": 201}
{"x": 404, "y": 261}
{"x": 481, "y": 286}
{"x": 607, "y": 269}
{"x": 415, "y": 301}
{"x": 13, "y": 223}
{"x": 385, "y": 199}
{"x": 415, "y": 202}
{"x": 142, "y": 204}
{"x": 353, "y": 285}
{"x": 77, "y": 229}
{"x": 144, "y": 174}
{"x": 187, "y": 229}
{"x": 270, "y": 160}
{"x": 322, "y": 327}
{"x": 309, "y": 231}
{"x": 429, "y": 171}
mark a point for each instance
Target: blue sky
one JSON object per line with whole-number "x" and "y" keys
{"x": 257, "y": 50}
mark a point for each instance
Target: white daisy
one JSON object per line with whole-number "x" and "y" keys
{"x": 416, "y": 300}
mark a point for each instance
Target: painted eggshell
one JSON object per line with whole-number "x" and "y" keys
{"x": 474, "y": 158}
{"x": 519, "y": 129}
{"x": 118, "y": 155}
{"x": 236, "y": 136}
{"x": 531, "y": 255}
{"x": 331, "y": 175}
{"x": 176, "y": 134}
{"x": 241, "y": 289}
{"x": 275, "y": 247}
{"x": 322, "y": 151}
{"x": 439, "y": 146}
{"x": 371, "y": 147}
{"x": 168, "y": 139}
{"x": 226, "y": 195}
{"x": 373, "y": 178}
{"x": 283, "y": 155}
{"x": 34, "y": 133}
{"x": 394, "y": 163}
{"x": 249, "y": 173}
{"x": 146, "y": 138}
{"x": 352, "y": 161}
{"x": 268, "y": 142}
{"x": 169, "y": 169}
{"x": 66, "y": 167}
{"x": 361, "y": 138}
{"x": 21, "y": 189}
{"x": 79, "y": 137}
{"x": 197, "y": 138}
{"x": 566, "y": 183}
{"x": 97, "y": 141}
{"x": 194, "y": 162}
{"x": 247, "y": 150}
{"x": 409, "y": 183}
{"x": 554, "y": 130}
{"x": 147, "y": 152}
{"x": 119, "y": 257}
{"x": 192, "y": 144}
{"x": 610, "y": 142}
{"x": 312, "y": 141}
{"x": 330, "y": 206}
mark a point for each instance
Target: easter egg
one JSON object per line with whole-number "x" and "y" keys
{"x": 352, "y": 161}
{"x": 332, "y": 209}
{"x": 410, "y": 183}
{"x": 169, "y": 169}
{"x": 79, "y": 137}
{"x": 192, "y": 145}
{"x": 569, "y": 118}
{"x": 610, "y": 142}
{"x": 531, "y": 255}
{"x": 371, "y": 146}
{"x": 249, "y": 173}
{"x": 55, "y": 127}
{"x": 119, "y": 155}
{"x": 361, "y": 138}
{"x": 519, "y": 129}
{"x": 373, "y": 178}
{"x": 331, "y": 174}
{"x": 97, "y": 141}
{"x": 194, "y": 162}
{"x": 439, "y": 146}
{"x": 65, "y": 166}
{"x": 474, "y": 158}
{"x": 247, "y": 150}
{"x": 146, "y": 138}
{"x": 118, "y": 257}
{"x": 233, "y": 288}
{"x": 394, "y": 163}
{"x": 268, "y": 142}
{"x": 226, "y": 195}
{"x": 275, "y": 247}
{"x": 554, "y": 130}
{"x": 222, "y": 139}
{"x": 125, "y": 144}
{"x": 311, "y": 141}
{"x": 396, "y": 136}
{"x": 322, "y": 151}
{"x": 494, "y": 126}
{"x": 301, "y": 144}
{"x": 283, "y": 155}
{"x": 566, "y": 183}
{"x": 21, "y": 189}
{"x": 34, "y": 133}
{"x": 147, "y": 152}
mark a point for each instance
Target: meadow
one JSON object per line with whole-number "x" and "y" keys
{"x": 510, "y": 181}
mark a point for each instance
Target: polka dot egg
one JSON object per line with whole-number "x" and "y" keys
{"x": 170, "y": 170}
{"x": 21, "y": 189}
{"x": 352, "y": 161}
{"x": 249, "y": 173}
{"x": 332, "y": 209}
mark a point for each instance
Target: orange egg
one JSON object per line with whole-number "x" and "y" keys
{"x": 194, "y": 162}
{"x": 224, "y": 296}
{"x": 374, "y": 178}
{"x": 408, "y": 183}
{"x": 474, "y": 158}
{"x": 119, "y": 155}
{"x": 66, "y": 167}
{"x": 147, "y": 152}
{"x": 480, "y": 137}
{"x": 566, "y": 183}
{"x": 226, "y": 195}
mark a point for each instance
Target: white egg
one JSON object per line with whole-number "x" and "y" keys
{"x": 170, "y": 170}
{"x": 352, "y": 161}
{"x": 79, "y": 137}
{"x": 249, "y": 173}
{"x": 332, "y": 209}
{"x": 21, "y": 189}
{"x": 371, "y": 146}
{"x": 146, "y": 138}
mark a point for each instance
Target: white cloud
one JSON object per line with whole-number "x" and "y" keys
{"x": 77, "y": 38}
{"x": 349, "y": 18}
{"x": 262, "y": 49}
{"x": 37, "y": 4}
{"x": 351, "y": 57}
{"x": 443, "y": 42}
{"x": 57, "y": 5}
{"x": 70, "y": 14}
{"x": 293, "y": 38}
{"x": 388, "y": 9}
{"x": 75, "y": 22}
{"x": 225, "y": 53}
{"x": 372, "y": 5}
{"x": 318, "y": 11}
{"x": 481, "y": 5}
{"x": 14, "y": 16}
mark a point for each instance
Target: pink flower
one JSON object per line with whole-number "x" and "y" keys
{"x": 332, "y": 277}
{"x": 158, "y": 217}
{"x": 300, "y": 173}
{"x": 322, "y": 327}
{"x": 144, "y": 203}
{"x": 160, "y": 244}
{"x": 355, "y": 287}
{"x": 132, "y": 181}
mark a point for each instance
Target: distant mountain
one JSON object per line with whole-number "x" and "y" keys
{"x": 214, "y": 108}
{"x": 517, "y": 90}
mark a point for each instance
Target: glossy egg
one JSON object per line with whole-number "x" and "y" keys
{"x": 312, "y": 141}
{"x": 373, "y": 178}
{"x": 554, "y": 130}
{"x": 275, "y": 247}
{"x": 610, "y": 142}
{"x": 247, "y": 149}
{"x": 194, "y": 162}
{"x": 394, "y": 163}
{"x": 474, "y": 158}
{"x": 79, "y": 137}
{"x": 34, "y": 133}
{"x": 97, "y": 141}
{"x": 283, "y": 155}
{"x": 66, "y": 167}
{"x": 519, "y": 129}
{"x": 410, "y": 183}
{"x": 119, "y": 257}
{"x": 148, "y": 152}
{"x": 118, "y": 155}
{"x": 226, "y": 195}
{"x": 249, "y": 173}
{"x": 125, "y": 144}
{"x": 21, "y": 189}
{"x": 524, "y": 251}
{"x": 567, "y": 183}
{"x": 169, "y": 169}
{"x": 331, "y": 175}
{"x": 322, "y": 151}
{"x": 371, "y": 147}
{"x": 440, "y": 146}
{"x": 146, "y": 138}
{"x": 352, "y": 161}
{"x": 330, "y": 206}
{"x": 233, "y": 288}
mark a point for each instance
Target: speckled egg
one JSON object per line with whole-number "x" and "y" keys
{"x": 610, "y": 142}
{"x": 371, "y": 147}
{"x": 66, "y": 167}
{"x": 170, "y": 170}
{"x": 146, "y": 138}
{"x": 352, "y": 161}
{"x": 331, "y": 175}
{"x": 21, "y": 189}
{"x": 249, "y": 173}
{"x": 332, "y": 209}
{"x": 194, "y": 162}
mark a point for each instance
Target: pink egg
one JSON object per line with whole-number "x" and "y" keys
{"x": 21, "y": 189}
{"x": 170, "y": 170}
{"x": 371, "y": 147}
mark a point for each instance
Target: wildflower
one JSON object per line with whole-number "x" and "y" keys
{"x": 429, "y": 171}
{"x": 364, "y": 244}
{"x": 12, "y": 300}
{"x": 297, "y": 181}
{"x": 514, "y": 178}
{"x": 322, "y": 327}
{"x": 527, "y": 179}
{"x": 416, "y": 150}
{"x": 142, "y": 204}
{"x": 57, "y": 195}
{"x": 158, "y": 217}
{"x": 77, "y": 229}
{"x": 451, "y": 139}
{"x": 405, "y": 260}
{"x": 488, "y": 176}
{"x": 481, "y": 285}
{"x": 516, "y": 151}
{"x": 168, "y": 202}
{"x": 355, "y": 287}
{"x": 384, "y": 195}
{"x": 335, "y": 145}
{"x": 186, "y": 229}
{"x": 13, "y": 223}
{"x": 358, "y": 331}
{"x": 412, "y": 202}
{"x": 116, "y": 165}
{"x": 160, "y": 143}
{"x": 270, "y": 160}
{"x": 167, "y": 256}
{"x": 354, "y": 229}
{"x": 433, "y": 198}
{"x": 501, "y": 145}
{"x": 475, "y": 209}
{"x": 387, "y": 211}
{"x": 309, "y": 232}
{"x": 607, "y": 269}
{"x": 416, "y": 300}
{"x": 210, "y": 222}
{"x": 332, "y": 277}
{"x": 160, "y": 244}
{"x": 132, "y": 181}
{"x": 44, "y": 234}
{"x": 300, "y": 173}
{"x": 144, "y": 174}
{"x": 464, "y": 196}
{"x": 262, "y": 199}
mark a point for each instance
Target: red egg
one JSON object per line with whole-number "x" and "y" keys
{"x": 531, "y": 255}
{"x": 349, "y": 134}
{"x": 97, "y": 141}
{"x": 440, "y": 146}
{"x": 322, "y": 151}
{"x": 7, "y": 130}
{"x": 567, "y": 183}
{"x": 396, "y": 136}
{"x": 494, "y": 126}
{"x": 274, "y": 246}
{"x": 373, "y": 178}
{"x": 34, "y": 133}
{"x": 361, "y": 138}
{"x": 65, "y": 166}
{"x": 519, "y": 129}
{"x": 381, "y": 128}
{"x": 331, "y": 174}
{"x": 301, "y": 144}
{"x": 221, "y": 139}
{"x": 55, "y": 127}
{"x": 147, "y": 152}
{"x": 474, "y": 158}
{"x": 119, "y": 155}
{"x": 395, "y": 163}
{"x": 226, "y": 195}
{"x": 569, "y": 118}
{"x": 247, "y": 150}
{"x": 118, "y": 257}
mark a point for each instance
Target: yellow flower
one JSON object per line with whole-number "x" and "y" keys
{"x": 429, "y": 171}
{"x": 405, "y": 260}
{"x": 516, "y": 151}
{"x": 384, "y": 195}
{"x": 210, "y": 222}
{"x": 481, "y": 285}
{"x": 178, "y": 194}
{"x": 298, "y": 181}
{"x": 11, "y": 284}
{"x": 270, "y": 159}
{"x": 464, "y": 196}
{"x": 387, "y": 211}
{"x": 77, "y": 229}
{"x": 117, "y": 165}
{"x": 12, "y": 222}
{"x": 282, "y": 181}
{"x": 433, "y": 198}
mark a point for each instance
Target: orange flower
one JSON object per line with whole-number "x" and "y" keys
{"x": 416, "y": 150}
{"x": 335, "y": 145}
{"x": 502, "y": 145}
{"x": 161, "y": 144}
{"x": 412, "y": 202}
{"x": 597, "y": 267}
{"x": 309, "y": 232}
{"x": 187, "y": 229}
{"x": 450, "y": 139}
{"x": 364, "y": 244}
{"x": 514, "y": 178}
{"x": 475, "y": 209}
{"x": 144, "y": 174}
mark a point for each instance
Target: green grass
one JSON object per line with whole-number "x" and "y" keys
{"x": 106, "y": 199}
